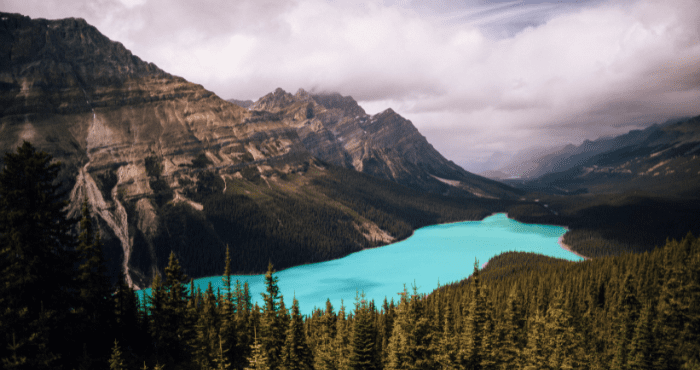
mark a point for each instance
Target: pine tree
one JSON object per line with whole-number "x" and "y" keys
{"x": 116, "y": 362}
{"x": 126, "y": 311}
{"x": 363, "y": 351}
{"x": 95, "y": 305}
{"x": 559, "y": 333}
{"x": 341, "y": 343}
{"x": 158, "y": 328}
{"x": 325, "y": 357}
{"x": 385, "y": 328}
{"x": 447, "y": 344}
{"x": 535, "y": 354}
{"x": 410, "y": 345}
{"x": 470, "y": 353}
{"x": 36, "y": 266}
{"x": 207, "y": 331}
{"x": 271, "y": 330}
{"x": 627, "y": 314}
{"x": 511, "y": 329}
{"x": 244, "y": 329}
{"x": 641, "y": 356}
{"x": 178, "y": 330}
{"x": 227, "y": 313}
{"x": 490, "y": 344}
{"x": 257, "y": 359}
{"x": 296, "y": 354}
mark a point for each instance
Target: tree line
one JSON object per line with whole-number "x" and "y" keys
{"x": 59, "y": 310}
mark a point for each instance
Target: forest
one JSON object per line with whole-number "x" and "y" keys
{"x": 60, "y": 310}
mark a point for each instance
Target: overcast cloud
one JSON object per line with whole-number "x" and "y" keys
{"x": 475, "y": 77}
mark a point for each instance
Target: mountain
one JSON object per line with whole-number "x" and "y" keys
{"x": 661, "y": 159}
{"x": 337, "y": 130}
{"x": 167, "y": 165}
{"x": 242, "y": 103}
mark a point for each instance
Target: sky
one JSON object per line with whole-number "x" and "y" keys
{"x": 482, "y": 80}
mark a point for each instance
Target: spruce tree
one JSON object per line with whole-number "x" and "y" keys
{"x": 447, "y": 344}
{"x": 325, "y": 355}
{"x": 207, "y": 331}
{"x": 95, "y": 304}
{"x": 37, "y": 290}
{"x": 227, "y": 317}
{"x": 627, "y": 314}
{"x": 341, "y": 343}
{"x": 471, "y": 351}
{"x": 126, "y": 312}
{"x": 116, "y": 361}
{"x": 244, "y": 329}
{"x": 257, "y": 359}
{"x": 535, "y": 354}
{"x": 559, "y": 333}
{"x": 641, "y": 356}
{"x": 363, "y": 351}
{"x": 490, "y": 344}
{"x": 271, "y": 329}
{"x": 179, "y": 329}
{"x": 511, "y": 329}
{"x": 296, "y": 354}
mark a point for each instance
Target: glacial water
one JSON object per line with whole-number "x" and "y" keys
{"x": 440, "y": 253}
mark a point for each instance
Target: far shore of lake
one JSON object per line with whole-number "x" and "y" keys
{"x": 568, "y": 248}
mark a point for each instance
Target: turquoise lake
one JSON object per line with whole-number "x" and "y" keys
{"x": 440, "y": 253}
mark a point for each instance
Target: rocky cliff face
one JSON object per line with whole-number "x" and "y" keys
{"x": 117, "y": 122}
{"x": 150, "y": 150}
{"x": 336, "y": 129}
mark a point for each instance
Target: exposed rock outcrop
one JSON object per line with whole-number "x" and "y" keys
{"x": 151, "y": 151}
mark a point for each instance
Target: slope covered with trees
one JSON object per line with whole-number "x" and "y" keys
{"x": 634, "y": 311}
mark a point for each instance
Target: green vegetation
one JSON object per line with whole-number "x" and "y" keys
{"x": 308, "y": 216}
{"x": 523, "y": 311}
{"x": 612, "y": 224}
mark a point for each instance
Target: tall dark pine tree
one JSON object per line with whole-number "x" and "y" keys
{"x": 471, "y": 352}
{"x": 641, "y": 355}
{"x": 512, "y": 330}
{"x": 325, "y": 353}
{"x": 296, "y": 353}
{"x": 271, "y": 330}
{"x": 227, "y": 317}
{"x": 36, "y": 267}
{"x": 627, "y": 315}
{"x": 95, "y": 305}
{"x": 127, "y": 326}
{"x": 363, "y": 350}
{"x": 179, "y": 329}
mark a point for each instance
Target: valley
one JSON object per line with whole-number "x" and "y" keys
{"x": 120, "y": 179}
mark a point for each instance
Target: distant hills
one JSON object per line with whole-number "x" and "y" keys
{"x": 661, "y": 159}
{"x": 167, "y": 165}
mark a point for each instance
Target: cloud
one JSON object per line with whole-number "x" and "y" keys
{"x": 475, "y": 77}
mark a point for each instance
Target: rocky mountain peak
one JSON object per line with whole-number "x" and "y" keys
{"x": 336, "y": 101}
{"x": 275, "y": 101}
{"x": 65, "y": 47}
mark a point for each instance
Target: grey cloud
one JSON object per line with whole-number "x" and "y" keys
{"x": 475, "y": 77}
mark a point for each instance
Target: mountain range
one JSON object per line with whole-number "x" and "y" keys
{"x": 167, "y": 165}
{"x": 662, "y": 159}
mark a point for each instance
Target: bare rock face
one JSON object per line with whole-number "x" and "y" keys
{"x": 116, "y": 122}
{"x": 167, "y": 165}
{"x": 336, "y": 129}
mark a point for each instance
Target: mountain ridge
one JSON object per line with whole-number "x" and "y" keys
{"x": 167, "y": 165}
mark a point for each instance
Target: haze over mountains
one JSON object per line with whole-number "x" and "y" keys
{"x": 662, "y": 159}
{"x": 155, "y": 155}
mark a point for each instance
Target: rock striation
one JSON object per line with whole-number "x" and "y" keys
{"x": 336, "y": 129}
{"x": 149, "y": 149}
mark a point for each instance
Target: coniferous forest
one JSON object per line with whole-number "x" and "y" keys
{"x": 60, "y": 310}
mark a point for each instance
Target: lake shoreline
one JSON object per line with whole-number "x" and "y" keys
{"x": 567, "y": 247}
